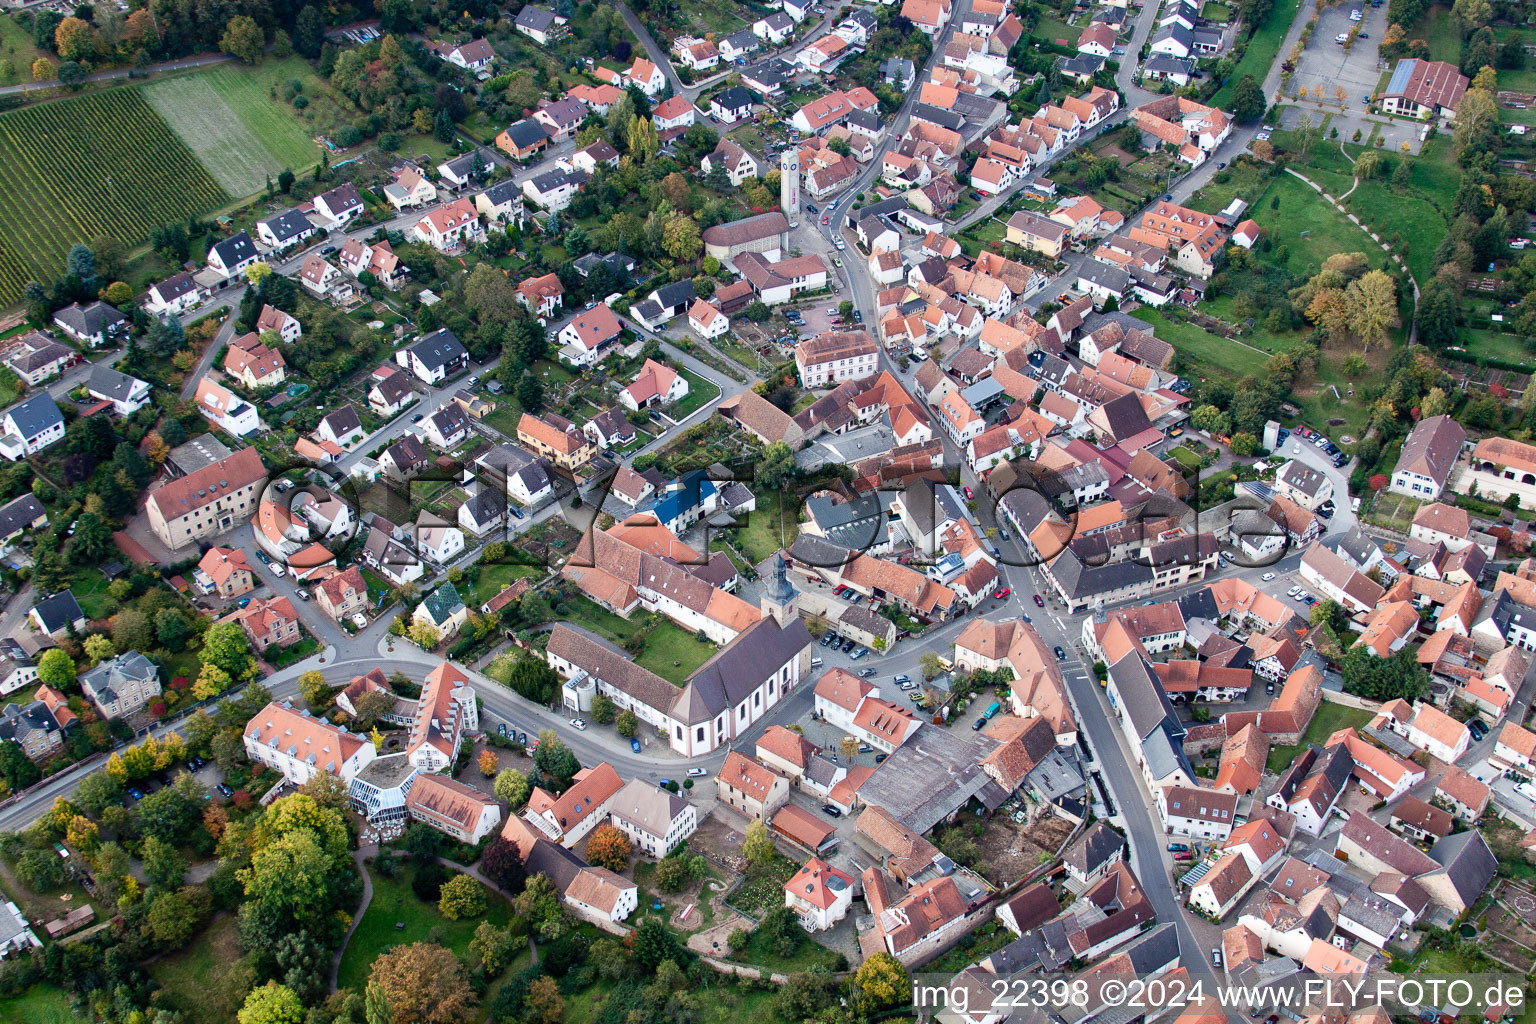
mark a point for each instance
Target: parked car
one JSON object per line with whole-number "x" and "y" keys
{"x": 578, "y": 723}
{"x": 880, "y": 758}
{"x": 1476, "y": 727}
{"x": 1177, "y": 848}
{"x": 634, "y": 745}
{"x": 1039, "y": 600}
{"x": 831, "y": 811}
{"x": 473, "y": 380}
{"x": 696, "y": 773}
{"x": 1267, "y": 577}
{"x": 902, "y": 679}
{"x": 1004, "y": 594}
{"x": 866, "y": 672}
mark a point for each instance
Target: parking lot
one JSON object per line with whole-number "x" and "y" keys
{"x": 818, "y": 317}
{"x": 1325, "y": 66}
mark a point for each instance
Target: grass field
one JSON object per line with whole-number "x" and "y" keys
{"x": 208, "y": 980}
{"x": 1261, "y": 51}
{"x": 102, "y": 164}
{"x": 394, "y": 902}
{"x": 1330, "y": 718}
{"x": 40, "y": 1004}
{"x": 1215, "y": 354}
{"x": 1495, "y": 345}
{"x": 768, "y": 528}
{"x": 17, "y": 47}
{"x": 669, "y": 643}
{"x": 700, "y": 393}
{"x": 229, "y": 118}
{"x": 1308, "y": 227}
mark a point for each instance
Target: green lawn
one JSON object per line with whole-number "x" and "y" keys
{"x": 1330, "y": 718}
{"x": 673, "y": 653}
{"x": 394, "y": 903}
{"x": 722, "y": 1000}
{"x": 17, "y": 47}
{"x": 1416, "y": 221}
{"x": 1216, "y": 355}
{"x": 238, "y": 129}
{"x": 1307, "y": 227}
{"x": 768, "y": 528}
{"x": 700, "y": 393}
{"x": 40, "y": 1004}
{"x": 1495, "y": 345}
{"x": 1186, "y": 458}
{"x": 810, "y": 954}
{"x": 1260, "y": 52}
{"x": 590, "y": 615}
{"x": 493, "y": 579}
{"x": 1216, "y": 11}
{"x": 1441, "y": 33}
{"x": 208, "y": 980}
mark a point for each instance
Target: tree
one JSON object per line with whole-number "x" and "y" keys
{"x": 641, "y": 140}
{"x": 163, "y": 866}
{"x": 421, "y": 982}
{"x": 1373, "y": 299}
{"x": 43, "y": 70}
{"x": 1244, "y": 443}
{"x": 1248, "y": 100}
{"x": 424, "y": 635}
{"x": 173, "y": 918}
{"x": 226, "y": 646}
{"x": 671, "y": 875}
{"x": 512, "y": 786}
{"x": 881, "y": 982}
{"x": 492, "y": 948}
{"x": 775, "y": 465}
{"x": 653, "y": 944}
{"x": 313, "y": 688}
{"x": 627, "y": 724}
{"x": 758, "y": 845}
{"x": 930, "y": 664}
{"x": 502, "y": 865}
{"x": 292, "y": 876}
{"x": 271, "y": 1004}
{"x": 555, "y": 759}
{"x": 1471, "y": 15}
{"x": 243, "y": 39}
{"x": 530, "y": 392}
{"x": 680, "y": 237}
{"x": 56, "y": 668}
{"x": 1210, "y": 419}
{"x": 543, "y": 1004}
{"x": 488, "y": 762}
{"x": 1477, "y": 119}
{"x": 74, "y": 39}
{"x": 608, "y": 847}
{"x": 227, "y": 750}
{"x": 372, "y": 706}
{"x": 16, "y": 767}
{"x": 602, "y": 709}
{"x": 461, "y": 897}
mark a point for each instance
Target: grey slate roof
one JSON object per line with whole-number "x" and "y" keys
{"x": 1468, "y": 863}
{"x": 235, "y": 248}
{"x": 288, "y": 225}
{"x": 59, "y": 611}
{"x": 107, "y": 678}
{"x": 20, "y": 514}
{"x": 106, "y": 381}
{"x": 535, "y": 18}
{"x": 1094, "y": 848}
{"x": 96, "y": 318}
{"x": 438, "y": 349}
{"x": 526, "y": 132}
{"x": 36, "y": 415}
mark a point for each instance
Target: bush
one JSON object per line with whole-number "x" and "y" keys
{"x": 427, "y": 881}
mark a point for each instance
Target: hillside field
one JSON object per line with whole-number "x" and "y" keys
{"x": 229, "y": 118}
{"x": 99, "y": 164}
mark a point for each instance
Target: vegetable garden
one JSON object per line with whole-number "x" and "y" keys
{"x": 79, "y": 168}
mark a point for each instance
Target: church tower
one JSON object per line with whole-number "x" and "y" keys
{"x": 780, "y": 598}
